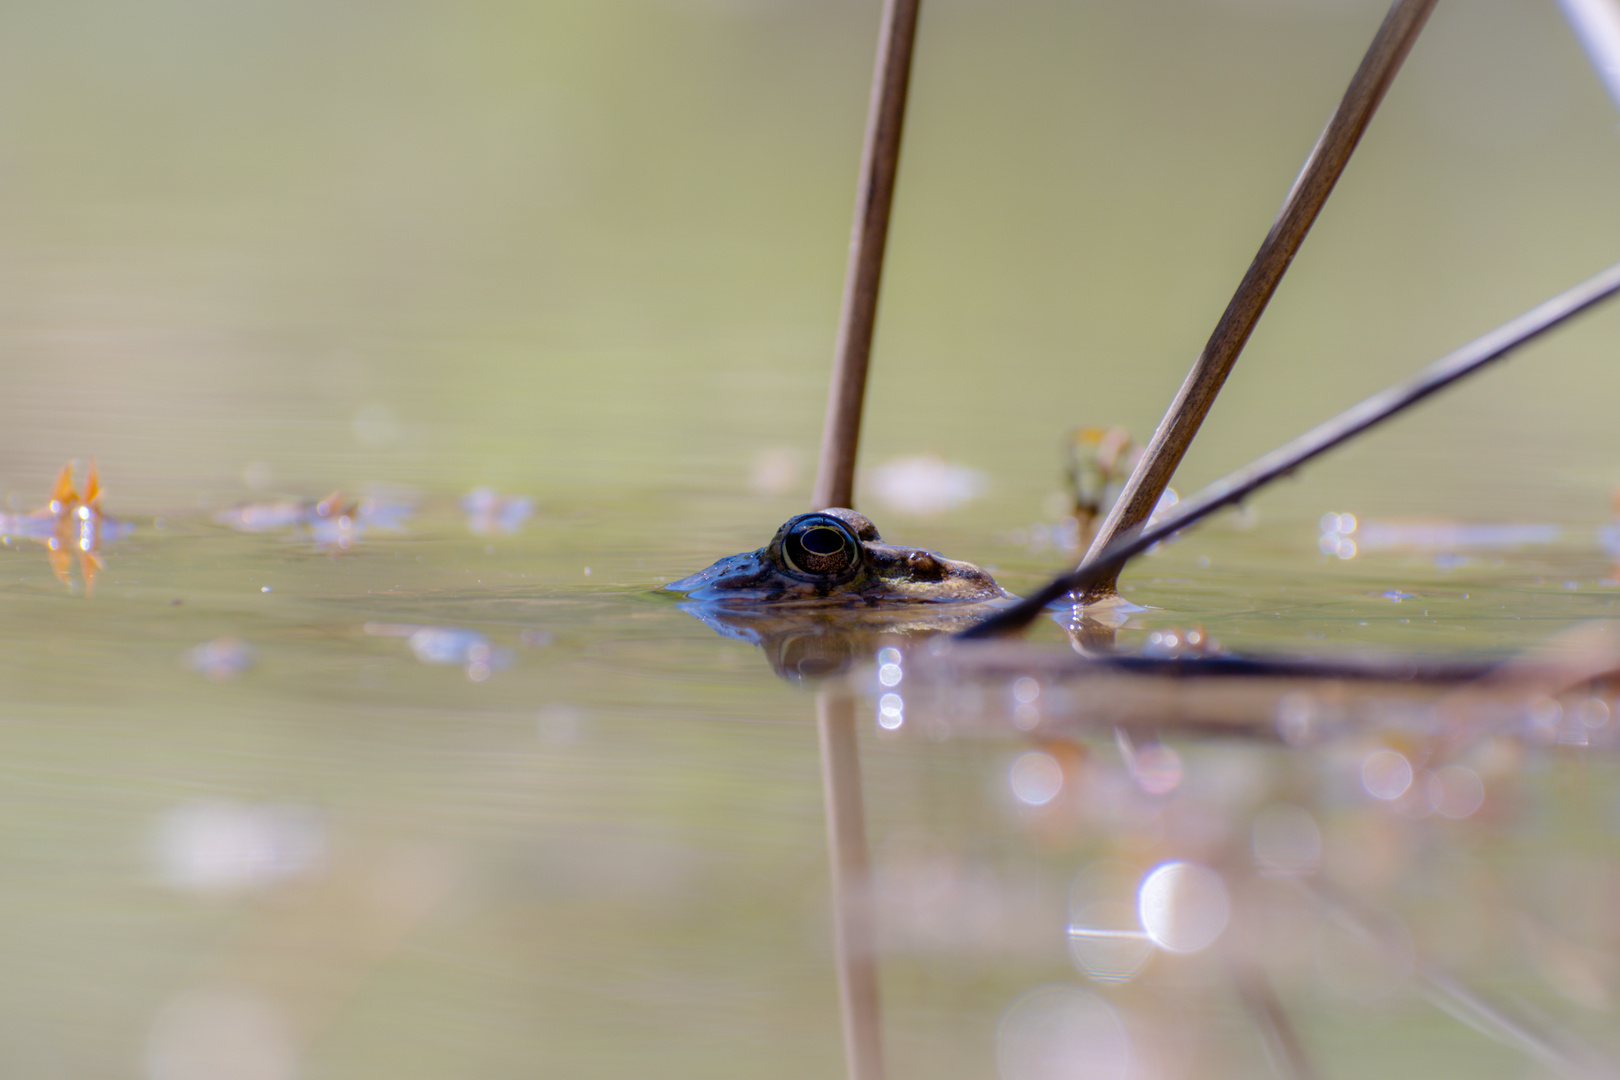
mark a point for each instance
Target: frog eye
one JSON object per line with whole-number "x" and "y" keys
{"x": 820, "y": 546}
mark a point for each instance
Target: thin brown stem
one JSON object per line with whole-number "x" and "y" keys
{"x": 1310, "y": 191}
{"x": 880, "y": 160}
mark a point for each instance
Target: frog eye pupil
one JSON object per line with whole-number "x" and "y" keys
{"x": 822, "y": 550}
{"x": 822, "y": 541}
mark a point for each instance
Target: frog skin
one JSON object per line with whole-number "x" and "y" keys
{"x": 835, "y": 557}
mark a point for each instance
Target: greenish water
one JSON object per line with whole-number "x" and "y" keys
{"x": 590, "y": 253}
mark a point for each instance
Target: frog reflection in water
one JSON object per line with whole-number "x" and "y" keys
{"x": 827, "y": 591}
{"x": 836, "y": 558}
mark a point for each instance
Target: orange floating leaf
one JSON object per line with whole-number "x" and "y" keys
{"x": 63, "y": 493}
{"x": 92, "y": 485}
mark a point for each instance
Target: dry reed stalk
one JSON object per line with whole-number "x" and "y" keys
{"x": 880, "y": 160}
{"x": 1236, "y": 486}
{"x": 1315, "y": 182}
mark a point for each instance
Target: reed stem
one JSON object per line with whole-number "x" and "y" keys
{"x": 880, "y": 160}
{"x": 1315, "y": 182}
{"x": 1236, "y": 486}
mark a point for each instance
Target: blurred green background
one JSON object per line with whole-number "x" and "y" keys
{"x": 595, "y": 249}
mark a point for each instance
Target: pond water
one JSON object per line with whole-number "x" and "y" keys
{"x": 443, "y": 802}
{"x": 452, "y": 789}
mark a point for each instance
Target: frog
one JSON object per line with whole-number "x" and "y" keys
{"x": 835, "y": 557}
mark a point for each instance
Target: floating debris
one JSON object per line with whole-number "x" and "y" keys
{"x": 1609, "y": 539}
{"x": 333, "y": 522}
{"x": 490, "y": 513}
{"x": 457, "y": 645}
{"x": 1343, "y": 535}
{"x": 266, "y": 516}
{"x": 221, "y": 660}
{"x": 69, "y": 525}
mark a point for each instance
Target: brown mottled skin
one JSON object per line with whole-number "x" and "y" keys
{"x": 836, "y": 557}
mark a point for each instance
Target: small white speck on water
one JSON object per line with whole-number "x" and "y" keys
{"x": 587, "y": 571}
{"x": 265, "y": 588}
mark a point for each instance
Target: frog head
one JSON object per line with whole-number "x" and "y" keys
{"x": 836, "y": 557}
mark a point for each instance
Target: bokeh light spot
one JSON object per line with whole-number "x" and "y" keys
{"x": 891, "y": 711}
{"x": 220, "y": 1034}
{"x": 1036, "y": 778}
{"x": 1158, "y": 769}
{"x": 1386, "y": 774}
{"x": 1183, "y": 906}
{"x": 1455, "y": 791}
{"x": 1062, "y": 1033}
{"x": 1593, "y": 712}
